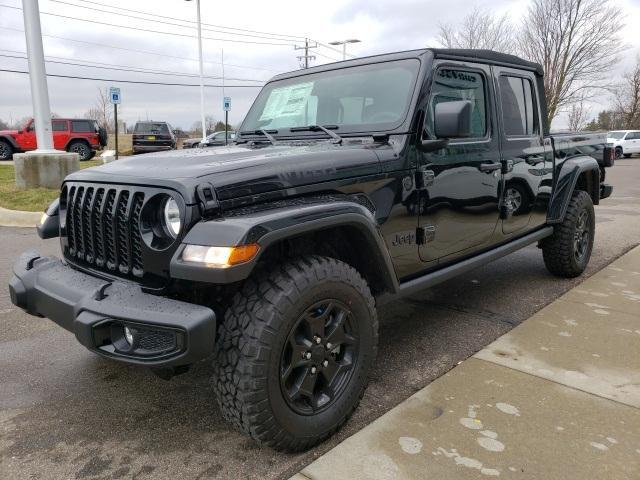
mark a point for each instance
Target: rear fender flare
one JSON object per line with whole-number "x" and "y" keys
{"x": 582, "y": 168}
{"x": 266, "y": 227}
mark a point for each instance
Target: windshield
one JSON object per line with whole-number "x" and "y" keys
{"x": 616, "y": 135}
{"x": 151, "y": 127}
{"x": 362, "y": 98}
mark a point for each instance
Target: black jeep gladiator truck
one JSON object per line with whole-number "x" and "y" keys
{"x": 350, "y": 185}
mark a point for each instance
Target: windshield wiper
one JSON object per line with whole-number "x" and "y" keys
{"x": 314, "y": 128}
{"x": 262, "y": 131}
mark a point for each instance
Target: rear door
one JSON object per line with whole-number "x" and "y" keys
{"x": 60, "y": 130}
{"x": 522, "y": 149}
{"x": 459, "y": 206}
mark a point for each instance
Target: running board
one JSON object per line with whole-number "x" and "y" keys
{"x": 444, "y": 274}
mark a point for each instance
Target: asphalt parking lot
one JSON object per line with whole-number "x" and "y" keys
{"x": 66, "y": 413}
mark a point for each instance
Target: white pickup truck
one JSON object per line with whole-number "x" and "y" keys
{"x": 626, "y": 142}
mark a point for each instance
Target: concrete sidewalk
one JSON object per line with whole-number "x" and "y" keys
{"x": 557, "y": 397}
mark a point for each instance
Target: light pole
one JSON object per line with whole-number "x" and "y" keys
{"x": 344, "y": 45}
{"x": 202, "y": 119}
{"x": 37, "y": 76}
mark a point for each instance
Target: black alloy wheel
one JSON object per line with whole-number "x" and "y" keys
{"x": 318, "y": 358}
{"x": 582, "y": 236}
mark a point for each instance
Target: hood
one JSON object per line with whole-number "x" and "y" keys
{"x": 242, "y": 170}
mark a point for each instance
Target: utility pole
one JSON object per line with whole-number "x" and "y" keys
{"x": 306, "y": 57}
{"x": 37, "y": 76}
{"x": 202, "y": 116}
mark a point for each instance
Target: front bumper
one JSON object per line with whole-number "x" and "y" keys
{"x": 168, "y": 332}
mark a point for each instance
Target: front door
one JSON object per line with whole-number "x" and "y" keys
{"x": 459, "y": 206}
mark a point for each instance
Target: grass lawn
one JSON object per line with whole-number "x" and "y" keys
{"x": 32, "y": 200}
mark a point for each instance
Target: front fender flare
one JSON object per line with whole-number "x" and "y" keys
{"x": 12, "y": 141}
{"x": 268, "y": 226}
{"x": 568, "y": 176}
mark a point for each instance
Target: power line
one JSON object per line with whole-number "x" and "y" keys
{"x": 146, "y": 52}
{"x": 102, "y": 4}
{"x": 160, "y": 32}
{"x": 135, "y": 81}
{"x": 327, "y": 57}
{"x": 111, "y": 66}
{"x": 120, "y": 14}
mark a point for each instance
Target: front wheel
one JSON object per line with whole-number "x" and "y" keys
{"x": 567, "y": 252}
{"x": 294, "y": 352}
{"x": 6, "y": 150}
{"x": 619, "y": 152}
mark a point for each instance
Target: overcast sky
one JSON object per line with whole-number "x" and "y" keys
{"x": 383, "y": 26}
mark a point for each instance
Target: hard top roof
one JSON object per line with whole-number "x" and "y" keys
{"x": 475, "y": 55}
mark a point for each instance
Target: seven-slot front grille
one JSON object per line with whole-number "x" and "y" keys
{"x": 103, "y": 227}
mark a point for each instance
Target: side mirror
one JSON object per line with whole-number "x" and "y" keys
{"x": 453, "y": 119}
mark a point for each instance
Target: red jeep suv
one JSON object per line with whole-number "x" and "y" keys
{"x": 80, "y": 136}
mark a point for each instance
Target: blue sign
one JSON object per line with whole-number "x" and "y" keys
{"x": 114, "y": 95}
{"x": 226, "y": 104}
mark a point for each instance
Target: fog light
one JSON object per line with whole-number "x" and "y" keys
{"x": 128, "y": 335}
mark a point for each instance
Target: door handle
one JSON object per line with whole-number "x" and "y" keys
{"x": 490, "y": 167}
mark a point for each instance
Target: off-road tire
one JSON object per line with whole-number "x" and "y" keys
{"x": 253, "y": 335}
{"x": 81, "y": 148}
{"x": 6, "y": 150}
{"x": 559, "y": 250}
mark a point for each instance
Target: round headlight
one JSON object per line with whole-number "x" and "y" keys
{"x": 172, "y": 217}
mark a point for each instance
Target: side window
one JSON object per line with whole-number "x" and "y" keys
{"x": 633, "y": 136}
{"x": 451, "y": 85}
{"x": 518, "y": 106}
{"x": 81, "y": 126}
{"x": 59, "y": 125}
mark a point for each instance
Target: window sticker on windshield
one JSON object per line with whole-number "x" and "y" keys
{"x": 287, "y": 101}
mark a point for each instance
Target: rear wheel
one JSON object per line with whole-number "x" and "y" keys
{"x": 567, "y": 252}
{"x": 294, "y": 352}
{"x": 81, "y": 148}
{"x": 6, "y": 150}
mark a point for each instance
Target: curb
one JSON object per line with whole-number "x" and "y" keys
{"x": 18, "y": 218}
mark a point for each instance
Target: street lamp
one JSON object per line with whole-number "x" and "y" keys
{"x": 202, "y": 119}
{"x": 344, "y": 45}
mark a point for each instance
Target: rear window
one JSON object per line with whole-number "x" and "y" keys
{"x": 151, "y": 127}
{"x": 82, "y": 126}
{"x": 59, "y": 125}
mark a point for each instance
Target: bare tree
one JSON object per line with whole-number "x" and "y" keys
{"x": 479, "y": 29}
{"x": 576, "y": 42}
{"x": 210, "y": 123}
{"x": 578, "y": 115}
{"x": 102, "y": 110}
{"x": 627, "y": 97}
